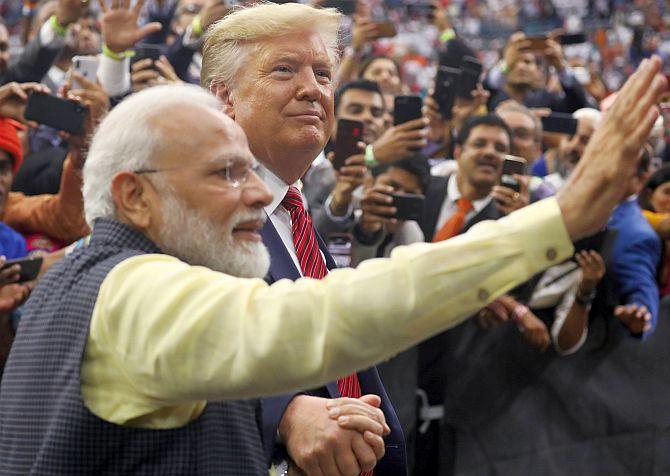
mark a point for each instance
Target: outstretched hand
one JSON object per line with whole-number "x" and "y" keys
{"x": 120, "y": 30}
{"x": 596, "y": 185}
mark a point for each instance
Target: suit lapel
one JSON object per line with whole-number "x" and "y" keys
{"x": 281, "y": 263}
{"x": 330, "y": 262}
{"x": 435, "y": 195}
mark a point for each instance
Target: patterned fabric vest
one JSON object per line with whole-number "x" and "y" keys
{"x": 45, "y": 427}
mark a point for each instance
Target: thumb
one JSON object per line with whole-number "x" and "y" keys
{"x": 147, "y": 30}
{"x": 371, "y": 399}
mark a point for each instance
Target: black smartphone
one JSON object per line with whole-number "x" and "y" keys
{"x": 572, "y": 38}
{"x": 407, "y": 108}
{"x": 146, "y": 51}
{"x": 471, "y": 71}
{"x": 512, "y": 165}
{"x": 347, "y": 7}
{"x": 408, "y": 206}
{"x": 30, "y": 267}
{"x": 56, "y": 112}
{"x": 559, "y": 122}
{"x": 349, "y": 134}
{"x": 446, "y": 81}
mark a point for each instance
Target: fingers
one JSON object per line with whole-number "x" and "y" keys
{"x": 355, "y": 160}
{"x": 144, "y": 76}
{"x": 361, "y": 424}
{"x": 372, "y": 399}
{"x": 414, "y": 124}
{"x": 103, "y": 6}
{"x": 138, "y": 7}
{"x": 355, "y": 406}
{"x": 147, "y": 30}
{"x": 141, "y": 65}
{"x": 367, "y": 454}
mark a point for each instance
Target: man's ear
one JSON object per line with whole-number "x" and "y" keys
{"x": 131, "y": 196}
{"x": 223, "y": 94}
{"x": 457, "y": 152}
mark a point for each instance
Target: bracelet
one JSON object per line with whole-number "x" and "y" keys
{"x": 504, "y": 67}
{"x": 196, "y": 24}
{"x": 447, "y": 34}
{"x": 58, "y": 28}
{"x": 370, "y": 156}
{"x": 116, "y": 56}
{"x": 585, "y": 300}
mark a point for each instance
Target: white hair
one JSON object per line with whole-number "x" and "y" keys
{"x": 589, "y": 114}
{"x": 126, "y": 140}
{"x": 229, "y": 41}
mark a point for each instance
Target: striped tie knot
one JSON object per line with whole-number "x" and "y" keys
{"x": 293, "y": 200}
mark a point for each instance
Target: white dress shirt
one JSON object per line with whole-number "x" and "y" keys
{"x": 449, "y": 206}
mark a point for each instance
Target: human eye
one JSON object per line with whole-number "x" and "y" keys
{"x": 324, "y": 74}
{"x": 282, "y": 69}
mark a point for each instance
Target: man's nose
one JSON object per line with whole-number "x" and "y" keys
{"x": 255, "y": 193}
{"x": 308, "y": 87}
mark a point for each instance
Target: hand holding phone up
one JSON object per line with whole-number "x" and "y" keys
{"x": 401, "y": 141}
{"x": 14, "y": 97}
{"x": 348, "y": 177}
{"x": 377, "y": 209}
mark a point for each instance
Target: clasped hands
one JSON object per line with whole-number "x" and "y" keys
{"x": 333, "y": 437}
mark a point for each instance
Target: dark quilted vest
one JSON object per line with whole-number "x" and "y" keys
{"x": 45, "y": 427}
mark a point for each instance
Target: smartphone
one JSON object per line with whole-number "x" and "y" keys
{"x": 58, "y": 113}
{"x": 537, "y": 43}
{"x": 408, "y": 206}
{"x": 446, "y": 82}
{"x": 30, "y": 267}
{"x": 349, "y": 134}
{"x": 572, "y": 38}
{"x": 407, "y": 108}
{"x": 512, "y": 165}
{"x": 385, "y": 29}
{"x": 346, "y": 7}
{"x": 339, "y": 247}
{"x": 471, "y": 71}
{"x": 87, "y": 66}
{"x": 146, "y": 50}
{"x": 559, "y": 122}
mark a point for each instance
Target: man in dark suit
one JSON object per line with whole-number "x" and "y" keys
{"x": 283, "y": 100}
{"x": 453, "y": 205}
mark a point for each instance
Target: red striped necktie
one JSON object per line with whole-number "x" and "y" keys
{"x": 314, "y": 266}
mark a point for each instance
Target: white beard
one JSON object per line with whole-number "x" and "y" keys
{"x": 194, "y": 239}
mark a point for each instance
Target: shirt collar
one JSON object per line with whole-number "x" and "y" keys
{"x": 276, "y": 185}
{"x": 454, "y": 194}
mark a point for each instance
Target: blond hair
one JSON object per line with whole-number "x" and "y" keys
{"x": 229, "y": 41}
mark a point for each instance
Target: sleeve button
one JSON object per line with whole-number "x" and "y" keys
{"x": 552, "y": 254}
{"x": 483, "y": 294}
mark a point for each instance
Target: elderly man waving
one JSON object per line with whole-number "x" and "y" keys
{"x": 131, "y": 349}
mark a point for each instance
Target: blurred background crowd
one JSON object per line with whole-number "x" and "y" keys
{"x": 449, "y": 113}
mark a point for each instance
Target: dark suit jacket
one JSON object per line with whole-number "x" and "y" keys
{"x": 33, "y": 64}
{"x": 435, "y": 196}
{"x": 394, "y": 461}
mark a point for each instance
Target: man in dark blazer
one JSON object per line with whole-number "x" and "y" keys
{"x": 285, "y": 136}
{"x": 481, "y": 144}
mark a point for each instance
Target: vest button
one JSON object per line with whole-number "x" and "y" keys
{"x": 552, "y": 254}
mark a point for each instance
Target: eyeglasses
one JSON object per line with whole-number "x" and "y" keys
{"x": 234, "y": 172}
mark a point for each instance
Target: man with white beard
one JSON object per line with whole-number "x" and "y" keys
{"x": 131, "y": 349}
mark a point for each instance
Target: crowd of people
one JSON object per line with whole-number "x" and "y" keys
{"x": 181, "y": 182}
